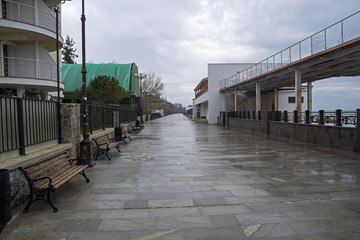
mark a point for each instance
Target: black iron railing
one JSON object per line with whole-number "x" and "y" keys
{"x": 101, "y": 117}
{"x": 336, "y": 118}
{"x": 25, "y": 122}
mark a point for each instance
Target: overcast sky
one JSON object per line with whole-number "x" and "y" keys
{"x": 176, "y": 39}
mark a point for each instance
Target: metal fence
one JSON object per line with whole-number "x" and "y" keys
{"x": 101, "y": 117}
{"x": 25, "y": 122}
{"x": 336, "y": 118}
{"x": 348, "y": 119}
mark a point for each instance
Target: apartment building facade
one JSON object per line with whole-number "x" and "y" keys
{"x": 28, "y": 47}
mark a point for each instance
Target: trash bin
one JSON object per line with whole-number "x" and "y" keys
{"x": 118, "y": 134}
{"x": 5, "y": 198}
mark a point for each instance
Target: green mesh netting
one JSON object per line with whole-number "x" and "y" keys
{"x": 126, "y": 74}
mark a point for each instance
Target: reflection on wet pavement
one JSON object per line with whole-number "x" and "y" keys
{"x": 179, "y": 179}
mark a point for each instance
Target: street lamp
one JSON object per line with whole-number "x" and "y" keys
{"x": 56, "y": 9}
{"x": 85, "y": 144}
{"x": 142, "y": 76}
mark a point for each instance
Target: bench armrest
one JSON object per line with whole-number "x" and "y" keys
{"x": 42, "y": 178}
{"x": 98, "y": 145}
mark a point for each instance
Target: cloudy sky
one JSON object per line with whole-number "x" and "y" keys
{"x": 176, "y": 39}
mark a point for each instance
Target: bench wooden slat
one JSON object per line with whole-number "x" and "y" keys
{"x": 70, "y": 175}
{"x": 65, "y": 177}
{"x": 43, "y": 160}
{"x": 46, "y": 168}
{"x": 56, "y": 173}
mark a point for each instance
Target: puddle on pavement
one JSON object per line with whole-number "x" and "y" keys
{"x": 136, "y": 158}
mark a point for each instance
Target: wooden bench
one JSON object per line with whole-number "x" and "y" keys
{"x": 46, "y": 175}
{"x": 135, "y": 128}
{"x": 104, "y": 145}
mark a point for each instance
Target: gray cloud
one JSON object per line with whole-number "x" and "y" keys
{"x": 176, "y": 39}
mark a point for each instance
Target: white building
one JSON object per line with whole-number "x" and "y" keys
{"x": 209, "y": 101}
{"x": 28, "y": 46}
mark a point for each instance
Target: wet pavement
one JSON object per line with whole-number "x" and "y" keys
{"x": 179, "y": 179}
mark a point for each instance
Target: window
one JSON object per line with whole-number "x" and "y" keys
{"x": 292, "y": 100}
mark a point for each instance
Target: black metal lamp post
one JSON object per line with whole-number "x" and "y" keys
{"x": 85, "y": 144}
{"x": 56, "y": 9}
{"x": 141, "y": 77}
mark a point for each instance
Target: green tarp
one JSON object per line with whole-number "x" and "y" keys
{"x": 126, "y": 74}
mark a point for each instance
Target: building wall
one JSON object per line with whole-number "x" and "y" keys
{"x": 284, "y": 102}
{"x": 201, "y": 105}
{"x": 204, "y": 110}
{"x": 31, "y": 67}
{"x": 217, "y": 100}
{"x": 268, "y": 100}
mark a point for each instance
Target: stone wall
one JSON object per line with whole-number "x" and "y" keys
{"x": 347, "y": 138}
{"x": 338, "y": 137}
{"x": 19, "y": 187}
{"x": 70, "y": 126}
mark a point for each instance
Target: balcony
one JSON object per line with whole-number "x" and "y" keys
{"x": 201, "y": 88}
{"x": 21, "y": 22}
{"x": 36, "y": 73}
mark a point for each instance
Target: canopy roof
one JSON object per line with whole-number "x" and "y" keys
{"x": 126, "y": 74}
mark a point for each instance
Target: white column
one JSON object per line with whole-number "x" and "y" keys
{"x": 309, "y": 96}
{"x": 298, "y": 91}
{"x": 36, "y": 13}
{"x": 276, "y": 100}
{"x": 37, "y": 59}
{"x": 258, "y": 97}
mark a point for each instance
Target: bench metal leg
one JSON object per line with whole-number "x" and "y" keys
{"x": 106, "y": 154}
{"x": 102, "y": 152}
{"x": 49, "y": 201}
{"x": 83, "y": 173}
{"x": 40, "y": 195}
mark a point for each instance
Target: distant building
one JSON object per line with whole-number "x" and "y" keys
{"x": 28, "y": 46}
{"x": 201, "y": 100}
{"x": 179, "y": 107}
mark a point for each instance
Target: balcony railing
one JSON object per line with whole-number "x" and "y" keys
{"x": 28, "y": 14}
{"x": 201, "y": 91}
{"x": 332, "y": 36}
{"x": 28, "y": 68}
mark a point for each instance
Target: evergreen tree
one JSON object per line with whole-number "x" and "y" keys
{"x": 68, "y": 51}
{"x": 105, "y": 90}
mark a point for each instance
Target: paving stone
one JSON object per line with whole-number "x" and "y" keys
{"x": 136, "y": 204}
{"x": 204, "y": 182}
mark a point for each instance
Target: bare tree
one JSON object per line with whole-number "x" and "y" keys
{"x": 152, "y": 85}
{"x": 151, "y": 90}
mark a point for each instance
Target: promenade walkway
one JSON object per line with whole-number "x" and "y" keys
{"x": 179, "y": 179}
